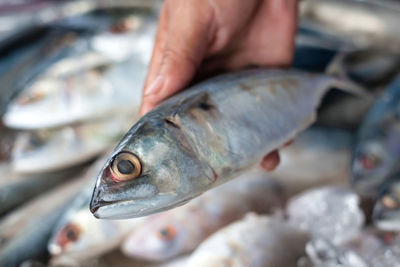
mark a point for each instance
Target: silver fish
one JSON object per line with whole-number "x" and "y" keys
{"x": 56, "y": 149}
{"x": 25, "y": 232}
{"x": 376, "y": 150}
{"x": 255, "y": 241}
{"x": 206, "y": 136}
{"x": 17, "y": 189}
{"x": 166, "y": 235}
{"x": 112, "y": 80}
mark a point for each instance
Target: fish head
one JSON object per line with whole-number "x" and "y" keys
{"x": 82, "y": 235}
{"x": 374, "y": 159}
{"x": 160, "y": 239}
{"x": 153, "y": 169}
{"x": 386, "y": 213}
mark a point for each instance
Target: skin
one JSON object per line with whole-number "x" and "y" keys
{"x": 202, "y": 37}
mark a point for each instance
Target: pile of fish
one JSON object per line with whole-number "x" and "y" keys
{"x": 183, "y": 186}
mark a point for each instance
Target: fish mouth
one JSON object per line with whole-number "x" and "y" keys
{"x": 127, "y": 209}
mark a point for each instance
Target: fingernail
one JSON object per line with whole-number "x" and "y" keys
{"x": 154, "y": 87}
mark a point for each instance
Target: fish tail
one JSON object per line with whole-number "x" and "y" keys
{"x": 349, "y": 87}
{"x": 340, "y": 80}
{"x": 335, "y": 67}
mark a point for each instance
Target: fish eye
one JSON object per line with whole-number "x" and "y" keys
{"x": 390, "y": 202}
{"x": 125, "y": 166}
{"x": 369, "y": 161}
{"x": 168, "y": 233}
{"x": 70, "y": 233}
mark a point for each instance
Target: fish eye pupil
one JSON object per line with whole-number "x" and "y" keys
{"x": 71, "y": 235}
{"x": 125, "y": 166}
{"x": 164, "y": 232}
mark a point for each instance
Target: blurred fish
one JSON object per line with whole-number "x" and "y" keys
{"x": 21, "y": 64}
{"x": 330, "y": 147}
{"x": 386, "y": 214}
{"x": 376, "y": 151}
{"x": 366, "y": 23}
{"x": 255, "y": 241}
{"x": 112, "y": 79}
{"x": 332, "y": 213}
{"x": 24, "y": 233}
{"x": 37, "y": 48}
{"x": 169, "y": 234}
{"x": 56, "y": 149}
{"x": 79, "y": 236}
{"x": 16, "y": 189}
{"x": 206, "y": 136}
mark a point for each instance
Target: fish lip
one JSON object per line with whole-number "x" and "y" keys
{"x": 104, "y": 207}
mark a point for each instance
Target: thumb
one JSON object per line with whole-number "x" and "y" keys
{"x": 185, "y": 46}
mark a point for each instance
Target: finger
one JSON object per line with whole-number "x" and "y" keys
{"x": 156, "y": 57}
{"x": 184, "y": 50}
{"x": 159, "y": 45}
{"x": 270, "y": 161}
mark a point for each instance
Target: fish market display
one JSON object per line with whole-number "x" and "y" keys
{"x": 331, "y": 213}
{"x": 169, "y": 234}
{"x": 16, "y": 189}
{"x": 386, "y": 214}
{"x": 297, "y": 169}
{"x": 25, "y": 232}
{"x": 79, "y": 236}
{"x": 200, "y": 138}
{"x": 48, "y": 150}
{"x": 112, "y": 81}
{"x": 377, "y": 147}
{"x": 72, "y": 74}
{"x": 255, "y": 241}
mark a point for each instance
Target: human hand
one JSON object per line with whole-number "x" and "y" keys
{"x": 199, "y": 37}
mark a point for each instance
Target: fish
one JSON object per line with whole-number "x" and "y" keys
{"x": 205, "y": 136}
{"x": 169, "y": 234}
{"x": 16, "y": 189}
{"x": 376, "y": 150}
{"x": 330, "y": 212}
{"x": 78, "y": 236}
{"x": 112, "y": 74}
{"x": 255, "y": 241}
{"x": 365, "y": 23}
{"x": 24, "y": 233}
{"x": 386, "y": 212}
{"x": 56, "y": 149}
{"x": 297, "y": 170}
